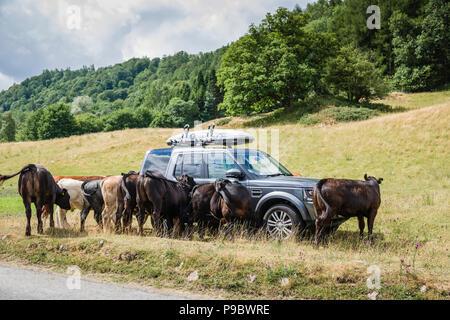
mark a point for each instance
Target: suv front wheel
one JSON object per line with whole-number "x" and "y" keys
{"x": 281, "y": 221}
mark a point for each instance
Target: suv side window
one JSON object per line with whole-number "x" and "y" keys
{"x": 219, "y": 163}
{"x": 189, "y": 163}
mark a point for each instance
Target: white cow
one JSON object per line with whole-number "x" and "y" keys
{"x": 76, "y": 201}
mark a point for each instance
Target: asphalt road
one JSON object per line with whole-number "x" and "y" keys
{"x": 20, "y": 283}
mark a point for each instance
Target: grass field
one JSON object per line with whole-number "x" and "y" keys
{"x": 410, "y": 150}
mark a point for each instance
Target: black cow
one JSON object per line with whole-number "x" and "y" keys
{"x": 348, "y": 198}
{"x": 165, "y": 198}
{"x": 222, "y": 200}
{"x": 36, "y": 185}
{"x": 126, "y": 201}
{"x": 92, "y": 192}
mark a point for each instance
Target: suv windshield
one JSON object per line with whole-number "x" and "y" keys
{"x": 260, "y": 163}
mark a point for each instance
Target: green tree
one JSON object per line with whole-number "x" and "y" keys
{"x": 29, "y": 130}
{"x": 421, "y": 47}
{"x": 120, "y": 119}
{"x": 351, "y": 72}
{"x": 274, "y": 65}
{"x": 56, "y": 121}
{"x": 88, "y": 123}
{"x": 81, "y": 104}
{"x": 176, "y": 114}
{"x": 143, "y": 116}
{"x": 8, "y": 128}
{"x": 182, "y": 112}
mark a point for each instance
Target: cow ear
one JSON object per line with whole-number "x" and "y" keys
{"x": 64, "y": 191}
{"x": 217, "y": 185}
{"x": 365, "y": 177}
{"x": 379, "y": 180}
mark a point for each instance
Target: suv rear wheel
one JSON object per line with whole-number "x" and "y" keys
{"x": 281, "y": 221}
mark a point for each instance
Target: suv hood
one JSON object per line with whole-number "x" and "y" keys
{"x": 285, "y": 181}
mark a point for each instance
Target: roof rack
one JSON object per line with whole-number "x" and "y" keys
{"x": 219, "y": 137}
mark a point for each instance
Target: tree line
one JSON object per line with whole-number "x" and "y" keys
{"x": 289, "y": 57}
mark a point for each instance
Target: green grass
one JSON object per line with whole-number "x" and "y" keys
{"x": 11, "y": 205}
{"x": 410, "y": 150}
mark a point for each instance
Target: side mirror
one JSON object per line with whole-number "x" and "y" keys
{"x": 234, "y": 173}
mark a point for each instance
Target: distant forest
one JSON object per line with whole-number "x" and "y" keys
{"x": 290, "y": 56}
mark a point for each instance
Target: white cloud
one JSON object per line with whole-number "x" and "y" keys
{"x": 5, "y": 81}
{"x": 37, "y": 35}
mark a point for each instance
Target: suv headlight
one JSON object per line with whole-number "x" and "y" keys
{"x": 309, "y": 195}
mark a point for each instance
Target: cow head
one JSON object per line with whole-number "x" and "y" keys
{"x": 186, "y": 180}
{"x": 63, "y": 199}
{"x": 220, "y": 184}
{"x": 372, "y": 178}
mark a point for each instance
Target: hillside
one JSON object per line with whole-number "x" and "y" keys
{"x": 410, "y": 150}
{"x": 150, "y": 83}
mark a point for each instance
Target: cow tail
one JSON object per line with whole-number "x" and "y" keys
{"x": 86, "y": 194}
{"x": 29, "y": 167}
{"x": 318, "y": 188}
{"x": 124, "y": 186}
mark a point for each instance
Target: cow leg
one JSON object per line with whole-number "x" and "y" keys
{"x": 50, "y": 212}
{"x": 40, "y": 228}
{"x": 119, "y": 214}
{"x": 98, "y": 217}
{"x": 319, "y": 231}
{"x": 361, "y": 226}
{"x": 83, "y": 215}
{"x": 128, "y": 217}
{"x": 61, "y": 221}
{"x": 321, "y": 223}
{"x": 28, "y": 214}
{"x": 44, "y": 214}
{"x": 370, "y": 221}
{"x": 140, "y": 218}
{"x": 63, "y": 217}
{"x": 105, "y": 219}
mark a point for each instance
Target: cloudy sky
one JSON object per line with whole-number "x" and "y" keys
{"x": 49, "y": 34}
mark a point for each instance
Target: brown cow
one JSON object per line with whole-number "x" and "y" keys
{"x": 223, "y": 200}
{"x": 348, "y": 198}
{"x": 110, "y": 187}
{"x": 126, "y": 201}
{"x": 36, "y": 185}
{"x": 165, "y": 198}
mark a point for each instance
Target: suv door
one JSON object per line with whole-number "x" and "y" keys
{"x": 217, "y": 163}
{"x": 190, "y": 163}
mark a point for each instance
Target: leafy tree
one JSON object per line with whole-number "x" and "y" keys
{"x": 143, "y": 117}
{"x": 176, "y": 114}
{"x": 120, "y": 119}
{"x": 88, "y": 123}
{"x": 274, "y": 65}
{"x": 8, "y": 128}
{"x": 81, "y": 104}
{"x": 421, "y": 47}
{"x": 56, "y": 121}
{"x": 182, "y": 112}
{"x": 29, "y": 130}
{"x": 351, "y": 72}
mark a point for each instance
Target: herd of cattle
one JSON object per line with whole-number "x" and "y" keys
{"x": 173, "y": 205}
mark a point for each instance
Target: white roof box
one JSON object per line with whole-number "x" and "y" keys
{"x": 219, "y": 137}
